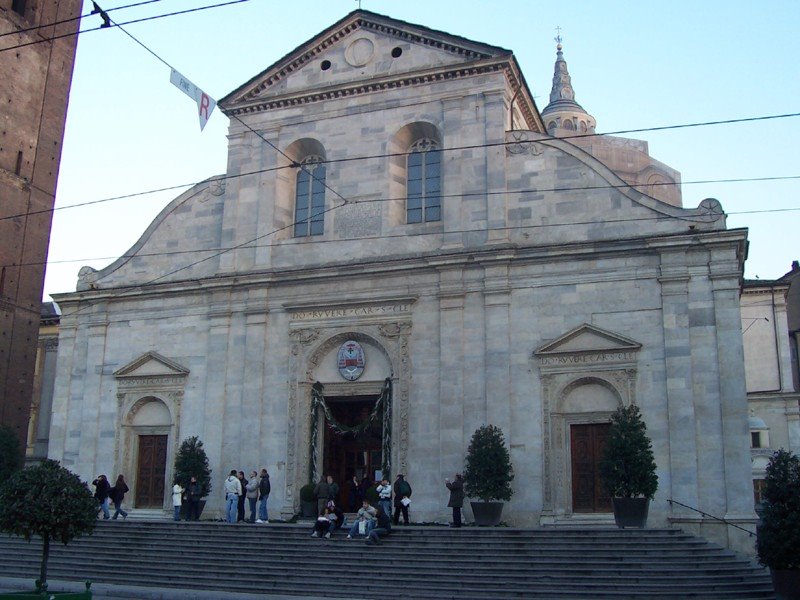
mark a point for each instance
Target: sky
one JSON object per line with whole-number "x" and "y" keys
{"x": 633, "y": 65}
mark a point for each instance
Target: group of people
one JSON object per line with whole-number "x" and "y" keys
{"x": 255, "y": 490}
{"x": 370, "y": 523}
{"x": 191, "y": 494}
{"x": 104, "y": 491}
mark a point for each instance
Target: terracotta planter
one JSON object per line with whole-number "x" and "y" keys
{"x": 786, "y": 583}
{"x": 630, "y": 512}
{"x": 487, "y": 514}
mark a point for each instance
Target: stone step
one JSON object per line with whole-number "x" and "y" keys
{"x": 426, "y": 562}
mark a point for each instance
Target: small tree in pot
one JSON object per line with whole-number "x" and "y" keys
{"x": 779, "y": 532}
{"x": 308, "y": 501}
{"x": 628, "y": 469}
{"x": 488, "y": 474}
{"x": 192, "y": 461}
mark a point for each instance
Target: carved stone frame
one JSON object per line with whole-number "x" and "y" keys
{"x": 586, "y": 355}
{"x": 306, "y": 352}
{"x": 133, "y": 392}
{"x": 556, "y": 423}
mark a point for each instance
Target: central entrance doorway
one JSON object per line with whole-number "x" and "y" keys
{"x": 349, "y": 454}
{"x": 150, "y": 471}
{"x": 588, "y": 444}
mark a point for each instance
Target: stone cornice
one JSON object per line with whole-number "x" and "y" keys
{"x": 250, "y": 104}
{"x": 434, "y": 261}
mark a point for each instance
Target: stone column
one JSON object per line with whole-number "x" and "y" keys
{"x": 497, "y": 301}
{"x": 733, "y": 397}
{"x": 451, "y": 384}
{"x": 678, "y": 381}
{"x": 254, "y": 454}
{"x": 210, "y": 412}
{"x": 494, "y": 107}
{"x": 96, "y": 452}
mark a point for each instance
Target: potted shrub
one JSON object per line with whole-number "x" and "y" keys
{"x": 778, "y": 541}
{"x": 488, "y": 474}
{"x": 628, "y": 469}
{"x": 308, "y": 501}
{"x": 191, "y": 461}
{"x": 49, "y": 501}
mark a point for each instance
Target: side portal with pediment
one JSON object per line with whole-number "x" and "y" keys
{"x": 585, "y": 375}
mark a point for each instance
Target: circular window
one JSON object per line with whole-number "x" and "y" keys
{"x": 396, "y": 52}
{"x": 326, "y": 64}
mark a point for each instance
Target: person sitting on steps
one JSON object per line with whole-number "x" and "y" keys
{"x": 365, "y": 519}
{"x": 383, "y": 527}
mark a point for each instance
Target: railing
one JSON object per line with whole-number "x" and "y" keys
{"x": 705, "y": 514}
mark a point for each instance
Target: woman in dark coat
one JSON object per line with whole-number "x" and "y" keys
{"x": 456, "y": 488}
{"x": 117, "y": 494}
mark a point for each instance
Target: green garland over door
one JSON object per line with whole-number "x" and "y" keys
{"x": 384, "y": 400}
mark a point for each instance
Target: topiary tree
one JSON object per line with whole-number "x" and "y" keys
{"x": 49, "y": 501}
{"x": 10, "y": 454}
{"x": 628, "y": 469}
{"x": 778, "y": 542}
{"x": 192, "y": 461}
{"x": 488, "y": 473}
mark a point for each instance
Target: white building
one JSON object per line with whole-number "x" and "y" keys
{"x": 395, "y": 186}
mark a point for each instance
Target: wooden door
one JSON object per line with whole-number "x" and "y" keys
{"x": 150, "y": 471}
{"x": 587, "y": 445}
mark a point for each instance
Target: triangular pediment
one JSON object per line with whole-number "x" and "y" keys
{"x": 588, "y": 338}
{"x": 151, "y": 364}
{"x": 363, "y": 48}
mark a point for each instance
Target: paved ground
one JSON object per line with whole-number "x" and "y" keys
{"x": 104, "y": 591}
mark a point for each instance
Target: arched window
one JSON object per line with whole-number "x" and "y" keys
{"x": 309, "y": 206}
{"x": 423, "y": 172}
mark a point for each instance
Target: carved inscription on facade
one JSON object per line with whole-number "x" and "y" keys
{"x": 577, "y": 359}
{"x": 351, "y": 311}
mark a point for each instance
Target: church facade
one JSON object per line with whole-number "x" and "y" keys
{"x": 398, "y": 253}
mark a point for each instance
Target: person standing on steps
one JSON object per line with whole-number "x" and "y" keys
{"x": 117, "y": 494}
{"x": 233, "y": 489}
{"x": 402, "y": 499}
{"x": 193, "y": 499}
{"x": 264, "y": 489}
{"x": 385, "y": 494}
{"x": 456, "y": 488}
{"x": 252, "y": 495}
{"x": 242, "y": 497}
{"x": 177, "y": 499}
{"x": 101, "y": 491}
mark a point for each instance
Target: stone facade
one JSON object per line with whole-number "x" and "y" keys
{"x": 773, "y": 395}
{"x": 548, "y": 293}
{"x": 33, "y": 106}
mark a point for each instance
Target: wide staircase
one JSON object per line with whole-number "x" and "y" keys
{"x": 414, "y": 562}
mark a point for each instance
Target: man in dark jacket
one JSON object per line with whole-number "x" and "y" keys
{"x": 325, "y": 490}
{"x": 101, "y": 491}
{"x": 264, "y": 489}
{"x": 456, "y": 488}
{"x": 193, "y": 498}
{"x": 402, "y": 497}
